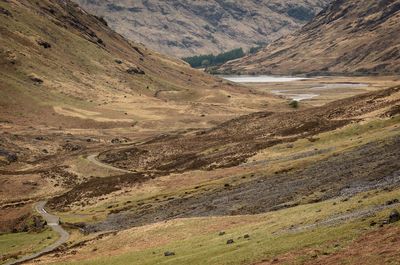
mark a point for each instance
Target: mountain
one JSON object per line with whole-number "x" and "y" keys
{"x": 187, "y": 28}
{"x": 69, "y": 68}
{"x": 348, "y": 37}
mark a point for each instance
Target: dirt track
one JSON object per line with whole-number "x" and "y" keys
{"x": 93, "y": 159}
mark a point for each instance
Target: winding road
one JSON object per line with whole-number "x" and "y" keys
{"x": 52, "y": 221}
{"x": 94, "y": 160}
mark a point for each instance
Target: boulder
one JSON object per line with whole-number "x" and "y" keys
{"x": 10, "y": 156}
{"x": 36, "y": 79}
{"x": 135, "y": 70}
{"x": 169, "y": 253}
{"x": 230, "y": 241}
{"x": 44, "y": 44}
{"x": 394, "y": 201}
{"x": 394, "y": 216}
{"x": 5, "y": 12}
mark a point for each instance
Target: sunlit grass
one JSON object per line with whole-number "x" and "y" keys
{"x": 19, "y": 244}
{"x": 196, "y": 240}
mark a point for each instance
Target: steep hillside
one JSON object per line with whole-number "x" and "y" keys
{"x": 69, "y": 68}
{"x": 185, "y": 28}
{"x": 348, "y": 37}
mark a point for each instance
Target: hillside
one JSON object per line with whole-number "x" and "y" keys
{"x": 187, "y": 28}
{"x": 68, "y": 67}
{"x": 348, "y": 37}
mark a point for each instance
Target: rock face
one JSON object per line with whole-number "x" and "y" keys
{"x": 184, "y": 28}
{"x": 347, "y": 37}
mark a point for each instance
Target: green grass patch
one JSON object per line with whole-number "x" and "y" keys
{"x": 19, "y": 244}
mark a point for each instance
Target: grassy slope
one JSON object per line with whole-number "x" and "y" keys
{"x": 196, "y": 241}
{"x": 19, "y": 244}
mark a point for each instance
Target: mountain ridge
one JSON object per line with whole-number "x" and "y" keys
{"x": 348, "y": 37}
{"x": 186, "y": 28}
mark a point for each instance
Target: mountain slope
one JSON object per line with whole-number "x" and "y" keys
{"x": 69, "y": 68}
{"x": 347, "y": 37}
{"x": 185, "y": 28}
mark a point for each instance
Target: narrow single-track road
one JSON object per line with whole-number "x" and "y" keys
{"x": 94, "y": 160}
{"x": 52, "y": 221}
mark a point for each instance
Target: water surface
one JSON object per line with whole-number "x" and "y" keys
{"x": 307, "y": 93}
{"x": 261, "y": 78}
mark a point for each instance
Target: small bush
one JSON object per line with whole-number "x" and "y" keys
{"x": 294, "y": 104}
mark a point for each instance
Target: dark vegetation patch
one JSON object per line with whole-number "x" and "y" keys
{"x": 199, "y": 61}
{"x": 61, "y": 176}
{"x": 20, "y": 219}
{"x": 97, "y": 187}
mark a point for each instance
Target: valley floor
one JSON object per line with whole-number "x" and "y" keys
{"x": 320, "y": 194}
